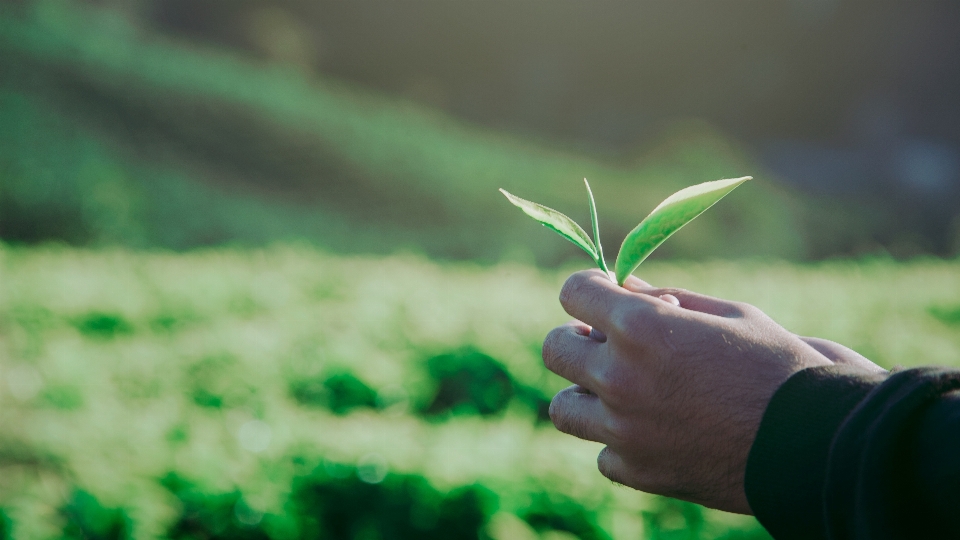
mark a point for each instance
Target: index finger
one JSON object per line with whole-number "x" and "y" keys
{"x": 591, "y": 297}
{"x": 633, "y": 283}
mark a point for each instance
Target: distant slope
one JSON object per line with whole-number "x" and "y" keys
{"x": 112, "y": 134}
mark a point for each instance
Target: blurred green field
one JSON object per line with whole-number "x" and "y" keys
{"x": 290, "y": 393}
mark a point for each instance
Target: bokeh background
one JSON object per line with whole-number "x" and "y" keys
{"x": 256, "y": 280}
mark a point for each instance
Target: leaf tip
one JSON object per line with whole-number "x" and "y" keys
{"x": 510, "y": 196}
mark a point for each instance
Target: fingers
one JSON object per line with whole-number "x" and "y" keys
{"x": 597, "y": 335}
{"x": 571, "y": 353}
{"x": 839, "y": 354}
{"x": 670, "y": 299}
{"x": 633, "y": 282}
{"x": 576, "y": 412}
{"x": 612, "y": 466}
{"x": 591, "y": 297}
{"x": 694, "y": 301}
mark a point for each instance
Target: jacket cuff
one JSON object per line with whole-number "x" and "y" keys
{"x": 786, "y": 468}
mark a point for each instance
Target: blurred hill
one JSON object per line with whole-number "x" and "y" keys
{"x": 854, "y": 99}
{"x": 113, "y": 133}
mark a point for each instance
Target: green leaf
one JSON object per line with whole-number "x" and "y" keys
{"x": 596, "y": 229}
{"x": 674, "y": 212}
{"x": 552, "y": 219}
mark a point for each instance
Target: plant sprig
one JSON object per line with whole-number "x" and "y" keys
{"x": 667, "y": 218}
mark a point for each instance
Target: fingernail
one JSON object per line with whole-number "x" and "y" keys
{"x": 671, "y": 299}
{"x": 597, "y": 335}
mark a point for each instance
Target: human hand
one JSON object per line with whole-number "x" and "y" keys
{"x": 675, "y": 392}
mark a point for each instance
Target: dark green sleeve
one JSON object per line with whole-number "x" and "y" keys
{"x": 845, "y": 454}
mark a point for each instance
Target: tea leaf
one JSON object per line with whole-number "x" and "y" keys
{"x": 674, "y": 212}
{"x": 552, "y": 219}
{"x": 596, "y": 229}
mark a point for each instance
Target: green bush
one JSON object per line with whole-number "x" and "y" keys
{"x": 391, "y": 507}
{"x": 86, "y": 519}
{"x": 468, "y": 381}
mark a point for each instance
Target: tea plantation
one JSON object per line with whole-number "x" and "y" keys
{"x": 288, "y": 393}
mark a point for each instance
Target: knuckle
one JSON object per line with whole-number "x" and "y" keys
{"x": 636, "y": 320}
{"x": 627, "y": 320}
{"x": 610, "y": 383}
{"x": 603, "y": 380}
{"x": 747, "y": 311}
{"x": 617, "y": 385}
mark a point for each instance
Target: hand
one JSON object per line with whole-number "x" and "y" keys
{"x": 675, "y": 392}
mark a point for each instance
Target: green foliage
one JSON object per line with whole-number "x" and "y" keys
{"x": 87, "y": 519}
{"x": 555, "y": 512}
{"x": 670, "y": 519}
{"x": 5, "y": 527}
{"x": 211, "y": 395}
{"x": 595, "y": 223}
{"x": 212, "y": 382}
{"x": 103, "y": 325}
{"x": 213, "y": 516}
{"x": 336, "y": 500}
{"x": 559, "y": 223}
{"x": 464, "y": 381}
{"x": 340, "y": 392}
{"x": 469, "y": 381}
{"x": 667, "y": 218}
{"x": 946, "y": 314}
{"x": 392, "y": 507}
{"x": 62, "y": 396}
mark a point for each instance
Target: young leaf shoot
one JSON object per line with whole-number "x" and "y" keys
{"x": 674, "y": 212}
{"x": 596, "y": 228}
{"x": 667, "y": 218}
{"x": 560, "y": 223}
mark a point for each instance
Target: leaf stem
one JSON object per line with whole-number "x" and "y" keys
{"x": 596, "y": 230}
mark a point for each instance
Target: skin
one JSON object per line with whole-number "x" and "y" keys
{"x": 674, "y": 383}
